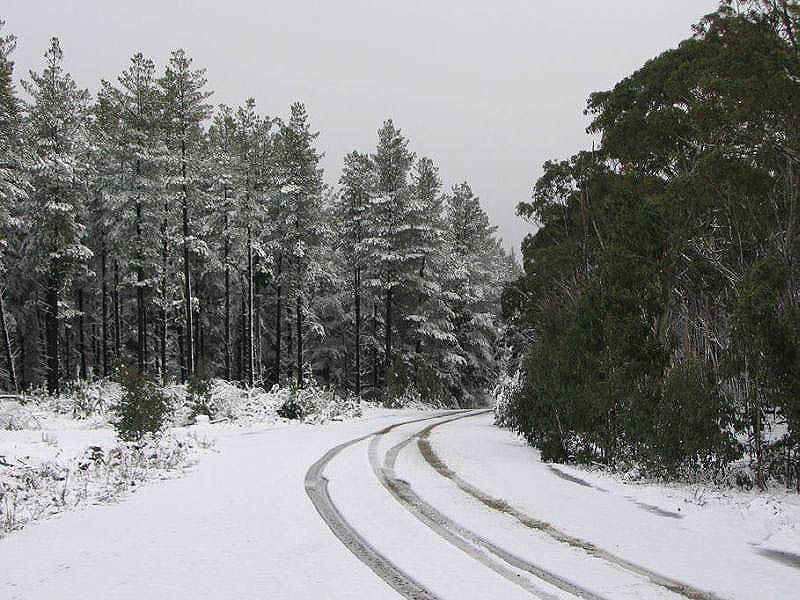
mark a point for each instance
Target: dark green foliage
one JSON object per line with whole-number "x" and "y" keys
{"x": 198, "y": 393}
{"x": 659, "y": 311}
{"x": 143, "y": 407}
{"x": 297, "y": 406}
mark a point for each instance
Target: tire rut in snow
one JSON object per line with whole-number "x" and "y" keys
{"x": 500, "y": 505}
{"x": 465, "y": 539}
{"x": 317, "y": 489}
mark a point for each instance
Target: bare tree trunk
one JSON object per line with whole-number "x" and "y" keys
{"x": 227, "y": 296}
{"x": 278, "y": 321}
{"x": 140, "y": 318}
{"x": 104, "y": 308}
{"x": 51, "y": 336}
{"x": 117, "y": 326}
{"x": 241, "y": 346}
{"x": 357, "y": 303}
{"x": 374, "y": 347}
{"x": 181, "y": 354}
{"x": 81, "y": 334}
{"x": 299, "y": 342}
{"x": 12, "y": 372}
{"x": 187, "y": 267}
{"x": 164, "y": 264}
{"x": 250, "y": 299}
{"x": 388, "y": 338}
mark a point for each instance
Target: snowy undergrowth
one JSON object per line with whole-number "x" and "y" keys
{"x": 32, "y": 488}
{"x": 59, "y": 452}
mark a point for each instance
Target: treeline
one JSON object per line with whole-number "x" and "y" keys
{"x": 144, "y": 227}
{"x": 659, "y": 309}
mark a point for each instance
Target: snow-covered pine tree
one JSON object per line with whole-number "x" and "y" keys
{"x": 391, "y": 256}
{"x": 353, "y": 212}
{"x": 429, "y": 317}
{"x": 252, "y": 183}
{"x": 478, "y": 269}
{"x": 134, "y": 108}
{"x": 185, "y": 110}
{"x": 301, "y": 188}
{"x": 222, "y": 140}
{"x": 56, "y": 133}
{"x": 13, "y": 189}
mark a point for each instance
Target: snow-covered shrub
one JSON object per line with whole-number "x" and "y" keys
{"x": 502, "y": 393}
{"x": 15, "y": 417}
{"x": 143, "y": 407}
{"x": 198, "y": 395}
{"x": 32, "y": 491}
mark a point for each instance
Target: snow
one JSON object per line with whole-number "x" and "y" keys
{"x": 719, "y": 542}
{"x": 239, "y": 523}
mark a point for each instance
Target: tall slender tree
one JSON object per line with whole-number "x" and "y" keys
{"x": 186, "y": 111}
{"x": 57, "y": 116}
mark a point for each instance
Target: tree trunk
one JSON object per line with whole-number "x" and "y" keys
{"x": 68, "y": 350}
{"x": 12, "y": 373}
{"x": 140, "y": 319}
{"x": 357, "y": 304}
{"x": 241, "y": 346}
{"x": 278, "y": 321}
{"x": 388, "y": 326}
{"x": 227, "y": 296}
{"x": 374, "y": 346}
{"x": 250, "y": 332}
{"x": 104, "y": 308}
{"x": 51, "y": 336}
{"x": 164, "y": 263}
{"x": 299, "y": 342}
{"x": 187, "y": 267}
{"x": 181, "y": 354}
{"x": 117, "y": 326}
{"x": 81, "y": 334}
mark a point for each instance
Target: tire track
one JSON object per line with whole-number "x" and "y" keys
{"x": 465, "y": 539}
{"x": 500, "y": 505}
{"x": 316, "y": 486}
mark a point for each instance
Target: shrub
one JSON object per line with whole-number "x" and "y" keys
{"x": 198, "y": 393}
{"x": 143, "y": 407}
{"x": 298, "y": 405}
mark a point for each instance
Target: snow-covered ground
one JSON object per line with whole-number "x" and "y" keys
{"x": 449, "y": 506}
{"x": 730, "y": 543}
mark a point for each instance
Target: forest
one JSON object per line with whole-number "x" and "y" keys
{"x": 142, "y": 226}
{"x": 658, "y": 314}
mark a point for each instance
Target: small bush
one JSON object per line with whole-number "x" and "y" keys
{"x": 198, "y": 395}
{"x": 143, "y": 407}
{"x": 297, "y": 406}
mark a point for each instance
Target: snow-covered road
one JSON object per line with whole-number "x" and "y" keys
{"x": 424, "y": 506}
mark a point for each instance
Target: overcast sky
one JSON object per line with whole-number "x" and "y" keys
{"x": 488, "y": 89}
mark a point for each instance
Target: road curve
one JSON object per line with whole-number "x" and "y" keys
{"x": 317, "y": 489}
{"x": 465, "y": 539}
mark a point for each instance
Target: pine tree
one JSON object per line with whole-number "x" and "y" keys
{"x": 353, "y": 213}
{"x": 301, "y": 189}
{"x": 13, "y": 188}
{"x": 392, "y": 260}
{"x": 476, "y": 280}
{"x": 134, "y": 111}
{"x": 186, "y": 110}
{"x": 57, "y": 134}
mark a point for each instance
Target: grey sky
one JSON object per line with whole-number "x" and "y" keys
{"x": 489, "y": 90}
